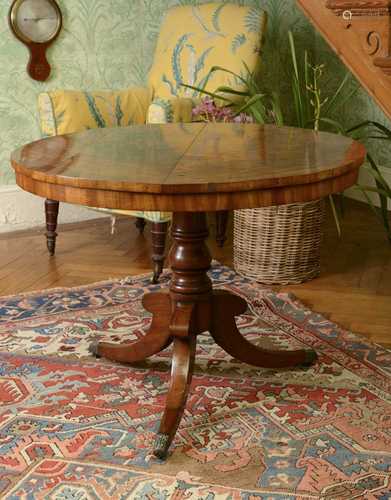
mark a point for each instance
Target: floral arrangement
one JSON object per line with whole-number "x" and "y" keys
{"x": 208, "y": 111}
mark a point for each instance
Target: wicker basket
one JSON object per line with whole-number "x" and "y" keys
{"x": 279, "y": 245}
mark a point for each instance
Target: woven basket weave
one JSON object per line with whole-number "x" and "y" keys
{"x": 279, "y": 245}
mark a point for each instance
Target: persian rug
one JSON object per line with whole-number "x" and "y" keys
{"x": 72, "y": 427}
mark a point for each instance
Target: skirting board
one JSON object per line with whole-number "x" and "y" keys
{"x": 20, "y": 210}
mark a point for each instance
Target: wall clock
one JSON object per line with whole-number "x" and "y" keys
{"x": 36, "y": 23}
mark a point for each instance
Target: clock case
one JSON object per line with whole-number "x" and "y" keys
{"x": 38, "y": 66}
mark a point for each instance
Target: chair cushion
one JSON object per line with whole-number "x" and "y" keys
{"x": 149, "y": 216}
{"x": 68, "y": 111}
{"x": 195, "y": 38}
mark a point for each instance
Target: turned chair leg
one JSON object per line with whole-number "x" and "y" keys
{"x": 140, "y": 224}
{"x": 159, "y": 235}
{"x": 51, "y": 214}
{"x": 221, "y": 227}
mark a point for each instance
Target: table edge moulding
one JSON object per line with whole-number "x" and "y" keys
{"x": 192, "y": 169}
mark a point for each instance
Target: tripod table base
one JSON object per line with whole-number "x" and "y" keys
{"x": 189, "y": 308}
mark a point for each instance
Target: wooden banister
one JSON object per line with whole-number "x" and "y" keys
{"x": 360, "y": 7}
{"x": 360, "y": 33}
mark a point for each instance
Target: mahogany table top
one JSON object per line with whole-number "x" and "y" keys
{"x": 189, "y": 167}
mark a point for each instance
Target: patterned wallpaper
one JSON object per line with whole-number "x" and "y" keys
{"x": 360, "y": 108}
{"x": 110, "y": 44}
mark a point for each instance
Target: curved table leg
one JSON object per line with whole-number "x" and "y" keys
{"x": 226, "y": 334}
{"x": 181, "y": 375}
{"x": 184, "y": 326}
{"x": 157, "y": 338}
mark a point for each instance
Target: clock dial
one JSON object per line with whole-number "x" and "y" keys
{"x": 36, "y": 23}
{"x": 37, "y": 20}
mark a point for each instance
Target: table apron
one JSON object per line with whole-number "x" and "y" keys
{"x": 197, "y": 202}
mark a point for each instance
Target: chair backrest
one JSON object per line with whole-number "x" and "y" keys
{"x": 193, "y": 39}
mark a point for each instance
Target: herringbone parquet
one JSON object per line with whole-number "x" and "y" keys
{"x": 354, "y": 289}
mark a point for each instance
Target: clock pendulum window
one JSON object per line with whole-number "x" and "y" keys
{"x": 36, "y": 23}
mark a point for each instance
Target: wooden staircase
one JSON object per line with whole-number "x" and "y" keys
{"x": 360, "y": 33}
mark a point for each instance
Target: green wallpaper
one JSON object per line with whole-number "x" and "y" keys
{"x": 361, "y": 107}
{"x": 110, "y": 44}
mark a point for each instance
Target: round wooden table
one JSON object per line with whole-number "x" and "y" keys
{"x": 190, "y": 169}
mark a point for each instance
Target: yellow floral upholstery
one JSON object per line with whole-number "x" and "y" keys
{"x": 193, "y": 39}
{"x": 68, "y": 111}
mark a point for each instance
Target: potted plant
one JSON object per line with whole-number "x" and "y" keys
{"x": 281, "y": 244}
{"x": 376, "y": 131}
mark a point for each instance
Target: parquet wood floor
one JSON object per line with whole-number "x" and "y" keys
{"x": 354, "y": 289}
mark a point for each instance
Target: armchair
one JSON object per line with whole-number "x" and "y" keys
{"x": 192, "y": 40}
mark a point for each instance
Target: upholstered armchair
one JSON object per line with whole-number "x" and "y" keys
{"x": 192, "y": 40}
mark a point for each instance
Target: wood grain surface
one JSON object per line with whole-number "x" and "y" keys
{"x": 188, "y": 167}
{"x": 361, "y": 38}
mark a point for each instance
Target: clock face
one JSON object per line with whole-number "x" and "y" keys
{"x": 37, "y": 21}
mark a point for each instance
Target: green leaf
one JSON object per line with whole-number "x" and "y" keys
{"x": 376, "y": 137}
{"x": 300, "y": 94}
{"x": 249, "y": 72}
{"x": 373, "y": 189}
{"x": 224, "y": 70}
{"x": 334, "y": 123}
{"x": 277, "y": 110}
{"x": 342, "y": 102}
{"x": 305, "y": 111}
{"x": 334, "y": 99}
{"x": 369, "y": 123}
{"x": 254, "y": 99}
{"x": 306, "y": 68}
{"x": 258, "y": 115}
{"x": 370, "y": 203}
{"x": 335, "y": 214}
{"x": 293, "y": 53}
{"x": 229, "y": 90}
{"x": 202, "y": 91}
{"x": 384, "y": 192}
{"x": 374, "y": 169}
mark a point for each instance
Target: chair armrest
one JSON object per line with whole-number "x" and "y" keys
{"x": 174, "y": 110}
{"x": 67, "y": 111}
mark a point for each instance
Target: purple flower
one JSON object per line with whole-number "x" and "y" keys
{"x": 208, "y": 111}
